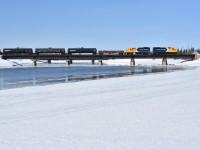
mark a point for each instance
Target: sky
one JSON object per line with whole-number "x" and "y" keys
{"x": 103, "y": 24}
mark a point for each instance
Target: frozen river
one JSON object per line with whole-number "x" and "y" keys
{"x": 32, "y": 76}
{"x": 144, "y": 110}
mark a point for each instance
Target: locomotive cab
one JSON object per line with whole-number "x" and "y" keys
{"x": 171, "y": 50}
{"x": 131, "y": 50}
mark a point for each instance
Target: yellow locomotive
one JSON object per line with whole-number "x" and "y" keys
{"x": 164, "y": 50}
{"x": 139, "y": 50}
{"x": 146, "y": 50}
{"x": 171, "y": 50}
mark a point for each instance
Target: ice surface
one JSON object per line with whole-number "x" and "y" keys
{"x": 155, "y": 111}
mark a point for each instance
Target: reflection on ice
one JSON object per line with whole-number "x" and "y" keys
{"x": 22, "y": 77}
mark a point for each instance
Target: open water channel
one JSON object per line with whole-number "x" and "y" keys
{"x": 36, "y": 76}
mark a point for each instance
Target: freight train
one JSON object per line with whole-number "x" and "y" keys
{"x": 93, "y": 51}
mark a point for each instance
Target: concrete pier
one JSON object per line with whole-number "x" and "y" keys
{"x": 196, "y": 56}
{"x": 49, "y": 61}
{"x": 132, "y": 63}
{"x": 67, "y": 62}
{"x": 100, "y": 62}
{"x": 34, "y": 62}
{"x": 93, "y": 62}
{"x": 164, "y": 61}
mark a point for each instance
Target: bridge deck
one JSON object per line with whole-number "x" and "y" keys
{"x": 98, "y": 57}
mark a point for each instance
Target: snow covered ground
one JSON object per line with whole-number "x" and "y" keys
{"x": 154, "y": 111}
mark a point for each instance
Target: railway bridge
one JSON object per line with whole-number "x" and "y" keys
{"x": 70, "y": 57}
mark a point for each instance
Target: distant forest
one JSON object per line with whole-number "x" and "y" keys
{"x": 188, "y": 51}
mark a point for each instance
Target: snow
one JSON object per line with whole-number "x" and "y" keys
{"x": 154, "y": 111}
{"x": 5, "y": 63}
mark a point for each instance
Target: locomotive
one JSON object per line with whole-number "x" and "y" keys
{"x": 139, "y": 50}
{"x": 164, "y": 50}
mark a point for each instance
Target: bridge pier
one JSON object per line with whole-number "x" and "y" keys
{"x": 132, "y": 63}
{"x": 35, "y": 62}
{"x": 100, "y": 62}
{"x": 49, "y": 61}
{"x": 67, "y": 62}
{"x": 195, "y": 56}
{"x": 93, "y": 61}
{"x": 164, "y": 61}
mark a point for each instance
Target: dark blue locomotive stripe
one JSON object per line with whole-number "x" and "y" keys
{"x": 159, "y": 49}
{"x": 143, "y": 49}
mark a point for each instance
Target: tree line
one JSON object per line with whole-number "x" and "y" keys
{"x": 188, "y": 51}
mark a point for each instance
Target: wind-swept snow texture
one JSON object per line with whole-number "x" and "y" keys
{"x": 147, "y": 112}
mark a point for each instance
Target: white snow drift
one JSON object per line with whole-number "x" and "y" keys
{"x": 154, "y": 111}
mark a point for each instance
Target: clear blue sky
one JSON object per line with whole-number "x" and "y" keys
{"x": 104, "y": 24}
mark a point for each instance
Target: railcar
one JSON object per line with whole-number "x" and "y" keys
{"x": 16, "y": 51}
{"x": 82, "y": 50}
{"x": 50, "y": 50}
{"x": 114, "y": 52}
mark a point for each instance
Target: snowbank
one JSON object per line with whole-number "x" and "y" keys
{"x": 154, "y": 111}
{"x": 6, "y": 63}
